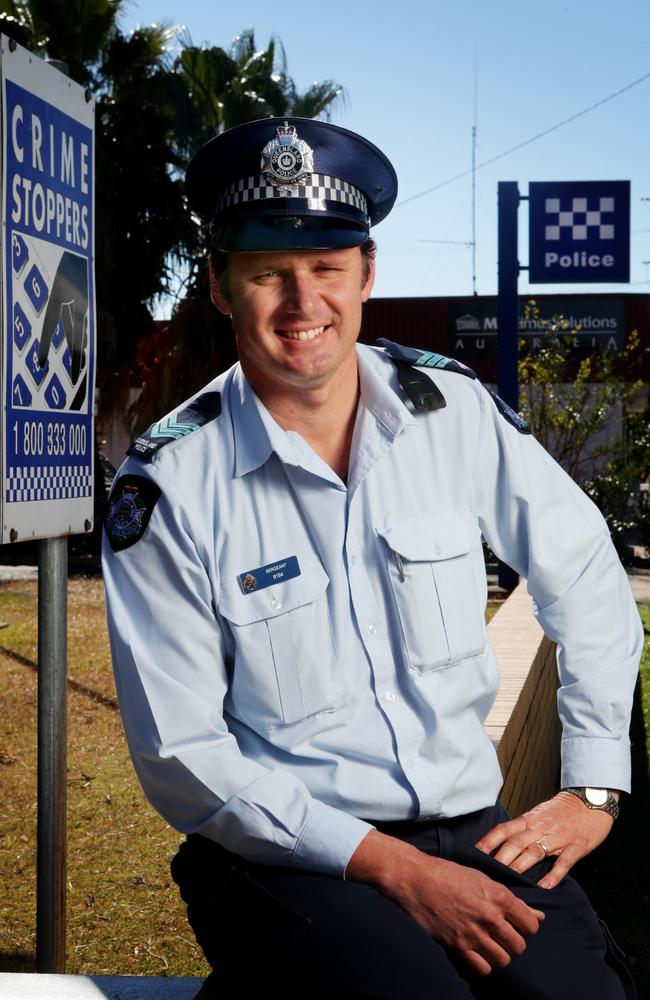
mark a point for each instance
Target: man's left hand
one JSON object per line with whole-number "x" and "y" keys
{"x": 567, "y": 827}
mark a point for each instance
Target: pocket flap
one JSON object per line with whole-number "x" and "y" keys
{"x": 441, "y": 536}
{"x": 242, "y": 608}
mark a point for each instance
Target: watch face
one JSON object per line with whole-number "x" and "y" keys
{"x": 596, "y": 796}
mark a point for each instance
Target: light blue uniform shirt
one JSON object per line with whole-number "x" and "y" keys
{"x": 277, "y": 719}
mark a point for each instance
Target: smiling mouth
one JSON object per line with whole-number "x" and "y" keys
{"x": 303, "y": 334}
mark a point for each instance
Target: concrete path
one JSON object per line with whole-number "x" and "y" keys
{"x": 18, "y": 573}
{"x": 640, "y": 582}
{"x": 33, "y": 986}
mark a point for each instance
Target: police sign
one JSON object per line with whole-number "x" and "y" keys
{"x": 48, "y": 343}
{"x": 579, "y": 231}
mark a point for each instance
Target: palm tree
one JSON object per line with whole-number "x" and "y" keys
{"x": 73, "y": 31}
{"x": 229, "y": 88}
{"x": 136, "y": 88}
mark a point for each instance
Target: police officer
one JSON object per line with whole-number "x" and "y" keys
{"x": 296, "y": 596}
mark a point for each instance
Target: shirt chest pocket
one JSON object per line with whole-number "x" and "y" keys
{"x": 285, "y": 665}
{"x": 433, "y": 565}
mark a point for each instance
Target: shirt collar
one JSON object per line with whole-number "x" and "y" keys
{"x": 257, "y": 435}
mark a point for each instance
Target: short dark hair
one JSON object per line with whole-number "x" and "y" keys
{"x": 219, "y": 263}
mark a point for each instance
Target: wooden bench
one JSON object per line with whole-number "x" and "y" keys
{"x": 523, "y": 723}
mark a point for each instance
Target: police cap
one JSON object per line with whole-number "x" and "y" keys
{"x": 290, "y": 184}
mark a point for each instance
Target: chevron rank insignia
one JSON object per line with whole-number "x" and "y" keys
{"x": 130, "y": 507}
{"x": 176, "y": 426}
{"x": 424, "y": 359}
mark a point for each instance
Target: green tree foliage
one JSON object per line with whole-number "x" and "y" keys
{"x": 73, "y": 31}
{"x": 582, "y": 411}
{"x": 136, "y": 194}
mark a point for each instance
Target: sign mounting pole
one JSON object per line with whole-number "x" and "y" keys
{"x": 47, "y": 376}
{"x": 508, "y": 317}
{"x": 52, "y": 756}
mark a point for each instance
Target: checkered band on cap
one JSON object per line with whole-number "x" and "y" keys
{"x": 317, "y": 193}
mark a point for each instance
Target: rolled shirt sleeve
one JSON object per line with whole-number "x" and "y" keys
{"x": 537, "y": 520}
{"x": 169, "y": 658}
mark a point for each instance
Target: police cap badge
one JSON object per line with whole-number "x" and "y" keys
{"x": 290, "y": 184}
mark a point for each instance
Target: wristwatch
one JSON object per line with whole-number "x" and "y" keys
{"x": 597, "y": 798}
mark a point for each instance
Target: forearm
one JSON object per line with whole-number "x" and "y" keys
{"x": 381, "y": 861}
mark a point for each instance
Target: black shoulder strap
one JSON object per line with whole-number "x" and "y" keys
{"x": 420, "y": 389}
{"x": 418, "y": 386}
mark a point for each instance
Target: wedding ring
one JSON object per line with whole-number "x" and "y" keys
{"x": 543, "y": 846}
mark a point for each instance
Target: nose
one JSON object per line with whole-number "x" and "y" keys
{"x": 300, "y": 293}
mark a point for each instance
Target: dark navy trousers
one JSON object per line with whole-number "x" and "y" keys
{"x": 316, "y": 936}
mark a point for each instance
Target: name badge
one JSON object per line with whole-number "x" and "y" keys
{"x": 266, "y": 576}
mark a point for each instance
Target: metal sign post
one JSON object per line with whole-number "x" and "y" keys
{"x": 52, "y": 730}
{"x": 48, "y": 375}
{"x": 508, "y": 317}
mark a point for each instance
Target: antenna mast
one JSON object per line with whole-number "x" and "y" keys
{"x": 474, "y": 126}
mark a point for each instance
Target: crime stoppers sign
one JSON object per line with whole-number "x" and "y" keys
{"x": 48, "y": 307}
{"x": 579, "y": 231}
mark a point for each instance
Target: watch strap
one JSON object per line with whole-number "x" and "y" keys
{"x": 610, "y": 805}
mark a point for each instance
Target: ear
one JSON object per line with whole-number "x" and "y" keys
{"x": 367, "y": 288}
{"x": 217, "y": 295}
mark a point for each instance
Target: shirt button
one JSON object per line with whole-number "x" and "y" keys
{"x": 353, "y": 560}
{"x": 390, "y": 696}
{"x": 437, "y": 550}
{"x": 276, "y": 604}
{"x": 411, "y": 762}
{"x": 372, "y": 629}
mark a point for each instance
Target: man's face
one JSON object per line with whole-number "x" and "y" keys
{"x": 296, "y": 315}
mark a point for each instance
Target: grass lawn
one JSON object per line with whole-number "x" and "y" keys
{"x": 124, "y": 913}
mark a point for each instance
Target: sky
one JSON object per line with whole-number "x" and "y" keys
{"x": 411, "y": 88}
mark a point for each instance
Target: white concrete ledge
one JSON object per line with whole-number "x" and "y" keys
{"x": 40, "y": 986}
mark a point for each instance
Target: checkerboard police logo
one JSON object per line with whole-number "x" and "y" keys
{"x": 580, "y": 222}
{"x": 131, "y": 504}
{"x": 286, "y": 159}
{"x": 579, "y": 231}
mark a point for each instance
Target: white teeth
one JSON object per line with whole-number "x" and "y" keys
{"x": 304, "y": 334}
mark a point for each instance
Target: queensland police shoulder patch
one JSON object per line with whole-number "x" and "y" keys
{"x": 424, "y": 359}
{"x": 199, "y": 412}
{"x": 511, "y": 415}
{"x": 130, "y": 507}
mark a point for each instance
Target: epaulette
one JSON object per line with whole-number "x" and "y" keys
{"x": 424, "y": 359}
{"x": 424, "y": 394}
{"x": 200, "y": 411}
{"x": 421, "y": 390}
